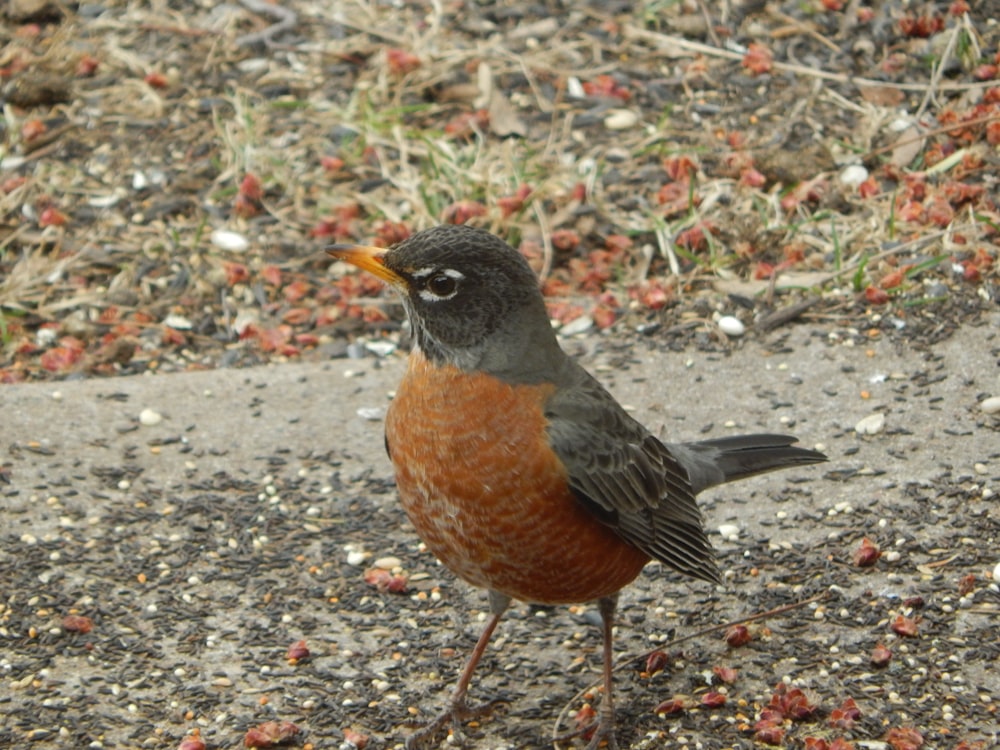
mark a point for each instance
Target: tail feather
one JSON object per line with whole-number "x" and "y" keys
{"x": 719, "y": 460}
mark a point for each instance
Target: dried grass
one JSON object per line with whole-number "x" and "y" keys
{"x": 149, "y": 172}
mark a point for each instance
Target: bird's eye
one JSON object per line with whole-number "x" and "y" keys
{"x": 441, "y": 285}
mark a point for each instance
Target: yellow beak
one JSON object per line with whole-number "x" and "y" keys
{"x": 368, "y": 258}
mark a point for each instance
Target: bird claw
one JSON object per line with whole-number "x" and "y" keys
{"x": 600, "y": 732}
{"x": 603, "y": 733}
{"x": 451, "y": 718}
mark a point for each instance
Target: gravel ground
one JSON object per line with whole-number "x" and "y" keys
{"x": 171, "y": 173}
{"x": 203, "y": 523}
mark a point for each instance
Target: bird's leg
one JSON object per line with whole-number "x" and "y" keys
{"x": 602, "y": 730}
{"x": 605, "y": 730}
{"x": 458, "y": 708}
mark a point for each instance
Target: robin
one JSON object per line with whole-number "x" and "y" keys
{"x": 519, "y": 471}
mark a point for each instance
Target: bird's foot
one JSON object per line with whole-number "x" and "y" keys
{"x": 599, "y": 733}
{"x": 452, "y": 718}
{"x": 603, "y": 736}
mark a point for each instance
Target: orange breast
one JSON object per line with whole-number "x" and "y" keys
{"x": 488, "y": 495}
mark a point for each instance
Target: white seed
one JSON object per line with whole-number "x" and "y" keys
{"x": 870, "y": 425}
{"x": 227, "y": 240}
{"x": 46, "y": 336}
{"x": 574, "y": 89}
{"x": 621, "y": 119}
{"x": 356, "y": 557}
{"x": 853, "y": 175}
{"x": 150, "y": 417}
{"x": 990, "y": 405}
{"x": 177, "y": 322}
{"x": 104, "y": 201}
{"x": 577, "y": 325}
{"x": 731, "y": 326}
{"x": 730, "y": 531}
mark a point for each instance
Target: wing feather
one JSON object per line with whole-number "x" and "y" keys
{"x": 628, "y": 478}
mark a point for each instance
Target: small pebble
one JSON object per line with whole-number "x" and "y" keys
{"x": 871, "y": 425}
{"x": 731, "y": 326}
{"x": 46, "y": 336}
{"x": 577, "y": 325}
{"x": 853, "y": 175}
{"x": 226, "y": 240}
{"x": 104, "y": 201}
{"x": 996, "y": 573}
{"x": 729, "y": 531}
{"x": 178, "y": 322}
{"x": 990, "y": 405}
{"x": 621, "y": 119}
{"x": 574, "y": 89}
{"x": 150, "y": 417}
{"x": 380, "y": 348}
{"x": 253, "y": 65}
{"x": 356, "y": 557}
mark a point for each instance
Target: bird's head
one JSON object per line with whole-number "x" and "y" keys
{"x": 472, "y": 300}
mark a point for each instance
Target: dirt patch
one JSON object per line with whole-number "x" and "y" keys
{"x": 172, "y": 174}
{"x": 203, "y": 546}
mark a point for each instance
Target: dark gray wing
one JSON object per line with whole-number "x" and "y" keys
{"x": 627, "y": 477}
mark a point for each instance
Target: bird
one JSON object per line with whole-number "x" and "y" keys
{"x": 518, "y": 470}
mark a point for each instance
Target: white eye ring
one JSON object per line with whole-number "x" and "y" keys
{"x": 437, "y": 284}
